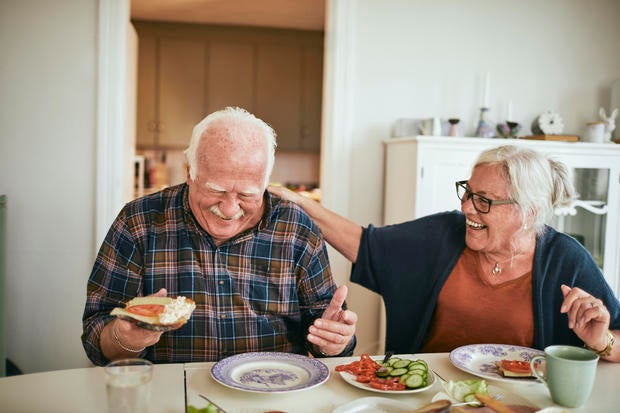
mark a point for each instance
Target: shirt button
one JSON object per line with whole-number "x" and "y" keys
{"x": 221, "y": 282}
{"x": 222, "y": 315}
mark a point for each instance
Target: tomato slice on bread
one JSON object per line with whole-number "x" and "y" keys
{"x": 148, "y": 310}
{"x": 514, "y": 368}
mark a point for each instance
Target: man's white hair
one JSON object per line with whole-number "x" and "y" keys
{"x": 233, "y": 116}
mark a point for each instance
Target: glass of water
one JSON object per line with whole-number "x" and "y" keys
{"x": 128, "y": 385}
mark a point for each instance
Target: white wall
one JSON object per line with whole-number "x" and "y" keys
{"x": 47, "y": 138}
{"x": 423, "y": 58}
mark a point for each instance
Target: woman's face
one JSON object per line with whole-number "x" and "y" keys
{"x": 493, "y": 232}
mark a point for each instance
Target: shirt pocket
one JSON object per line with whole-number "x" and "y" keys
{"x": 271, "y": 288}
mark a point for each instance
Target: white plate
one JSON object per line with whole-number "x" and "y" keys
{"x": 480, "y": 359}
{"x": 263, "y": 372}
{"x": 374, "y": 405}
{"x": 352, "y": 380}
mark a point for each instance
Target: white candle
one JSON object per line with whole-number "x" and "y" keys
{"x": 487, "y": 90}
{"x": 509, "y": 116}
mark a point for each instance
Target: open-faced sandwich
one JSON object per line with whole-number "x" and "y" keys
{"x": 514, "y": 368}
{"x": 157, "y": 313}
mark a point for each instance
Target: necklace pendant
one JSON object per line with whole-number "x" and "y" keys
{"x": 496, "y": 269}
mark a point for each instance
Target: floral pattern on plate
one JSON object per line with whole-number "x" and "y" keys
{"x": 480, "y": 359}
{"x": 265, "y": 372}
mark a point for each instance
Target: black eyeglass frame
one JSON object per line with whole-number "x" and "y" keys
{"x": 486, "y": 201}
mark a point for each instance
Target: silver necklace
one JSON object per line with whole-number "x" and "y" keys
{"x": 497, "y": 268}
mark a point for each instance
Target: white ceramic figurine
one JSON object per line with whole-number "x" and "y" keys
{"x": 610, "y": 123}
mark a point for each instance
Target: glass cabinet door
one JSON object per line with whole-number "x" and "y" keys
{"x": 586, "y": 219}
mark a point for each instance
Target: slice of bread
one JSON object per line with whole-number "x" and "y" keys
{"x": 150, "y": 322}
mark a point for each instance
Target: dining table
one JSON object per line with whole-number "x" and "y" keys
{"x": 174, "y": 387}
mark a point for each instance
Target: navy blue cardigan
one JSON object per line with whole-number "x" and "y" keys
{"x": 408, "y": 263}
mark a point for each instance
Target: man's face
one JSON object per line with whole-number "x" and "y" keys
{"x": 227, "y": 195}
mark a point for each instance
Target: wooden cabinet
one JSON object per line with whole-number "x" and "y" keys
{"x": 188, "y": 71}
{"x": 181, "y": 90}
{"x": 420, "y": 173}
{"x": 230, "y": 78}
{"x": 171, "y": 91}
{"x": 278, "y": 80}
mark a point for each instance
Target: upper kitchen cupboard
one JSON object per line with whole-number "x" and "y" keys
{"x": 420, "y": 176}
{"x": 186, "y": 71}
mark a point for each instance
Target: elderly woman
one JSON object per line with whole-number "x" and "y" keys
{"x": 492, "y": 273}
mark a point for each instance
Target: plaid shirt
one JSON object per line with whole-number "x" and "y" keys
{"x": 259, "y": 291}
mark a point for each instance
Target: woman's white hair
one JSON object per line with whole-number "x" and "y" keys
{"x": 537, "y": 183}
{"x": 235, "y": 118}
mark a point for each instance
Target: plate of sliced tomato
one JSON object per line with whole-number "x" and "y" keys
{"x": 362, "y": 374}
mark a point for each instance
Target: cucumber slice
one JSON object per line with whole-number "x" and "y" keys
{"x": 415, "y": 381}
{"x": 403, "y": 378}
{"x": 401, "y": 364}
{"x": 417, "y": 364}
{"x": 398, "y": 372}
{"x": 393, "y": 360}
{"x": 384, "y": 373}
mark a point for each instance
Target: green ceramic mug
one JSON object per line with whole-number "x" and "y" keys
{"x": 569, "y": 375}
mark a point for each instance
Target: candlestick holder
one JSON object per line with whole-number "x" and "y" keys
{"x": 453, "y": 128}
{"x": 484, "y": 129}
{"x": 508, "y": 129}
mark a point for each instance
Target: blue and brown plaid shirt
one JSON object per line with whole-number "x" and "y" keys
{"x": 259, "y": 291}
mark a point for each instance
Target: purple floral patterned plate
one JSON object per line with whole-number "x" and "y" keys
{"x": 480, "y": 359}
{"x": 270, "y": 372}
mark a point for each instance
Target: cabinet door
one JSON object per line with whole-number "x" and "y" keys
{"x": 181, "y": 90}
{"x": 146, "y": 115}
{"x": 440, "y": 169}
{"x": 312, "y": 72}
{"x": 230, "y": 78}
{"x": 278, "y": 91}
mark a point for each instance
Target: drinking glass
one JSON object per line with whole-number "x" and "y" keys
{"x": 128, "y": 385}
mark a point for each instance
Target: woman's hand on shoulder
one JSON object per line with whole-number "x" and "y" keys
{"x": 284, "y": 193}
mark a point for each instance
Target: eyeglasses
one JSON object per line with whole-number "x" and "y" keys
{"x": 481, "y": 204}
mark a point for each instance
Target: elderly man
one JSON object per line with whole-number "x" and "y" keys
{"x": 255, "y": 265}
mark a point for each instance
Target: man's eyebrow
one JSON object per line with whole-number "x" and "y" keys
{"x": 250, "y": 192}
{"x": 214, "y": 187}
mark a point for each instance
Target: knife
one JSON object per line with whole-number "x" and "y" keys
{"x": 218, "y": 408}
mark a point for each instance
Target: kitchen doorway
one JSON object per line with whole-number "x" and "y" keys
{"x": 175, "y": 37}
{"x": 336, "y": 137}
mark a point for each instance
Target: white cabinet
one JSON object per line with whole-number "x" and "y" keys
{"x": 420, "y": 173}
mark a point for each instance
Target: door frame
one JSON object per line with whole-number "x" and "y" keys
{"x": 112, "y": 119}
